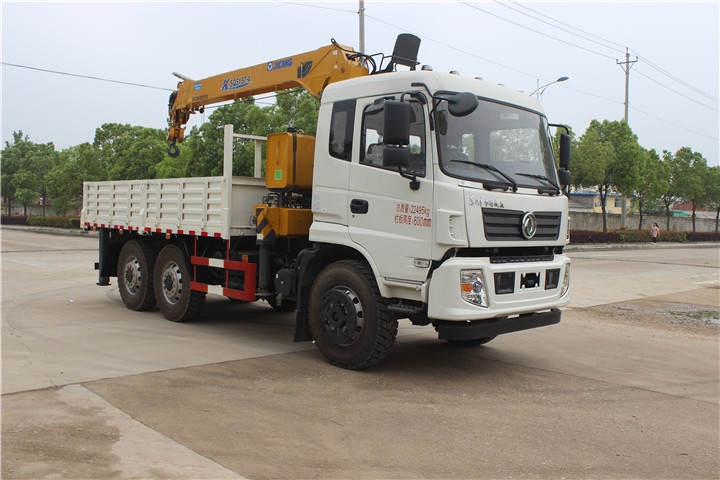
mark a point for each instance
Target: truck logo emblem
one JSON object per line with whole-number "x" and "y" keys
{"x": 529, "y": 225}
{"x": 278, "y": 64}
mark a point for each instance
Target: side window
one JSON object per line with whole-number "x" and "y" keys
{"x": 341, "y": 129}
{"x": 372, "y": 139}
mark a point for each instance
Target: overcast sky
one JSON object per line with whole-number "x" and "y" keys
{"x": 674, "y": 85}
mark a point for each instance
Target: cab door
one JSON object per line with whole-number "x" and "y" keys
{"x": 387, "y": 218}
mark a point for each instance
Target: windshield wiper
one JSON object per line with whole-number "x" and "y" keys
{"x": 555, "y": 189}
{"x": 510, "y": 181}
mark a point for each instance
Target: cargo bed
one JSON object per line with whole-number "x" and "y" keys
{"x": 206, "y": 206}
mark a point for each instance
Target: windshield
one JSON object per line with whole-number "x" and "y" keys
{"x": 498, "y": 145}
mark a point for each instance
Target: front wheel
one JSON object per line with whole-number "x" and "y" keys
{"x": 349, "y": 320}
{"x": 172, "y": 286}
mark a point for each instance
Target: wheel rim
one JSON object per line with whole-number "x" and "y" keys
{"x": 133, "y": 276}
{"x": 342, "y": 316}
{"x": 172, "y": 283}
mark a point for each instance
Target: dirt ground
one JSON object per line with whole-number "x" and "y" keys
{"x": 664, "y": 315}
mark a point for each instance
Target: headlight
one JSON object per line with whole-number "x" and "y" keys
{"x": 566, "y": 281}
{"x": 472, "y": 287}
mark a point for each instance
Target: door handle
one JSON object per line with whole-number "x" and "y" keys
{"x": 359, "y": 206}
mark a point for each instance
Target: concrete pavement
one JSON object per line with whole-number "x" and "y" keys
{"x": 91, "y": 390}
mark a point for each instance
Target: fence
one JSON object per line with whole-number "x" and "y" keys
{"x": 593, "y": 222}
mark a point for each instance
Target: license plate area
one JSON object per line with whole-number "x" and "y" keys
{"x": 529, "y": 280}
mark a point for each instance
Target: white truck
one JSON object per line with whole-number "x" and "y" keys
{"x": 423, "y": 195}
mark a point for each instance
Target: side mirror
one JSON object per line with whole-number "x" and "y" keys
{"x": 396, "y": 123}
{"x": 462, "y": 104}
{"x": 396, "y": 157}
{"x": 565, "y": 143}
{"x": 396, "y": 138}
{"x": 564, "y": 177}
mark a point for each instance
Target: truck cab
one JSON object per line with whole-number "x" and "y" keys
{"x": 468, "y": 231}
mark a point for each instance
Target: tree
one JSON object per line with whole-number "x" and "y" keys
{"x": 712, "y": 191}
{"x": 295, "y": 109}
{"x": 292, "y": 109}
{"x": 689, "y": 181}
{"x": 174, "y": 167}
{"x": 10, "y": 160}
{"x": 74, "y": 166}
{"x": 24, "y": 168}
{"x": 608, "y": 158}
{"x": 206, "y": 142}
{"x": 130, "y": 152}
{"x": 656, "y": 182}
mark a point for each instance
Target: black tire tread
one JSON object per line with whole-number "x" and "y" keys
{"x": 195, "y": 301}
{"x": 148, "y": 251}
{"x": 387, "y": 324}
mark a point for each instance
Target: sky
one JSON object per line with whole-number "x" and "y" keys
{"x": 673, "y": 82}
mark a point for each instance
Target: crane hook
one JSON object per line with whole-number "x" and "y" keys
{"x": 173, "y": 150}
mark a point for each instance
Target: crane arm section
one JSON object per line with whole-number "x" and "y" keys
{"x": 313, "y": 71}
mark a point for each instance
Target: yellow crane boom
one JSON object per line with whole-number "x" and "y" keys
{"x": 313, "y": 71}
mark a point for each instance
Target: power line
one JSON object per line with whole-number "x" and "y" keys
{"x": 506, "y": 5}
{"x": 678, "y": 80}
{"x": 533, "y": 30}
{"x": 321, "y": 7}
{"x": 570, "y": 26}
{"x": 465, "y": 52}
{"x": 715, "y": 109}
{"x": 651, "y": 64}
{"x": 674, "y": 124}
{"x": 86, "y": 76}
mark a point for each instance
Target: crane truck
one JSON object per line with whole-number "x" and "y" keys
{"x": 425, "y": 196}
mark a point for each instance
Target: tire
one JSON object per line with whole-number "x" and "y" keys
{"x": 172, "y": 286}
{"x": 136, "y": 266}
{"x": 472, "y": 343}
{"x": 349, "y": 320}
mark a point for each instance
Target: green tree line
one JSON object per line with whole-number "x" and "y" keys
{"x": 609, "y": 159}
{"x": 606, "y": 157}
{"x": 32, "y": 171}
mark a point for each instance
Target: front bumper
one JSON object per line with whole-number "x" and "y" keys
{"x": 495, "y": 326}
{"x": 444, "y": 292}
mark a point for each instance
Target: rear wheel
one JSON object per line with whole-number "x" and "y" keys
{"x": 172, "y": 286}
{"x": 136, "y": 264}
{"x": 349, "y": 320}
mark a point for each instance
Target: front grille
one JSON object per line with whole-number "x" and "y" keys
{"x": 505, "y": 225}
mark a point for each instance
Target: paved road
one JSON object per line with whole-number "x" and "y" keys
{"x": 91, "y": 390}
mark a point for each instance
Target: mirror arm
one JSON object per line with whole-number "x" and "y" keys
{"x": 560, "y": 125}
{"x": 414, "y": 183}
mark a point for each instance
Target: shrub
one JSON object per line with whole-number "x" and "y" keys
{"x": 57, "y": 222}
{"x": 586, "y": 236}
{"x": 14, "y": 220}
{"x": 634, "y": 236}
{"x": 703, "y": 237}
{"x": 673, "y": 237}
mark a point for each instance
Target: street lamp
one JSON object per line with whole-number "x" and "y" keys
{"x": 540, "y": 90}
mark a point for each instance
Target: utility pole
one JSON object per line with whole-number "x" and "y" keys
{"x": 626, "y": 66}
{"x": 361, "y": 13}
